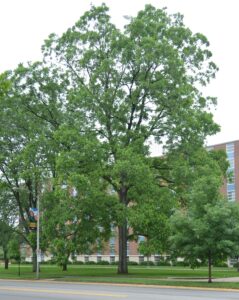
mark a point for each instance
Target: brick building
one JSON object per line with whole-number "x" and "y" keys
{"x": 110, "y": 252}
{"x": 230, "y": 188}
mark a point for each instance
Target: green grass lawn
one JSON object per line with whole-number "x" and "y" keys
{"x": 177, "y": 276}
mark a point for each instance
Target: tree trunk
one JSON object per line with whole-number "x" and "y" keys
{"x": 34, "y": 260}
{"x": 6, "y": 260}
{"x": 123, "y": 234}
{"x": 209, "y": 267}
{"x": 64, "y": 267}
{"x": 123, "y": 266}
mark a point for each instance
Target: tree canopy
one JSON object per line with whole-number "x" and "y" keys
{"x": 85, "y": 116}
{"x": 207, "y": 229}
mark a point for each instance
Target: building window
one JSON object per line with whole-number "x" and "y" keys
{"x": 128, "y": 250}
{"x": 209, "y": 148}
{"x": 230, "y": 155}
{"x": 112, "y": 246}
{"x": 99, "y": 245}
{"x": 156, "y": 258}
{"x": 231, "y": 192}
{"x": 141, "y": 258}
{"x": 230, "y": 187}
{"x": 112, "y": 259}
{"x": 231, "y": 195}
{"x": 231, "y": 176}
{"x": 230, "y": 147}
{"x": 141, "y": 239}
{"x": 74, "y": 192}
{"x": 231, "y": 165}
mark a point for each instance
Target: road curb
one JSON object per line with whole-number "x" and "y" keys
{"x": 126, "y": 284}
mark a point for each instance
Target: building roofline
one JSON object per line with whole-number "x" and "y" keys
{"x": 229, "y": 142}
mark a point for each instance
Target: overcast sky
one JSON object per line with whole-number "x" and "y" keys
{"x": 24, "y": 24}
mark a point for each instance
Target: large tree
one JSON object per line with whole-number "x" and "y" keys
{"x": 134, "y": 86}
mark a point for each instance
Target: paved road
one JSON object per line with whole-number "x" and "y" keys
{"x": 24, "y": 290}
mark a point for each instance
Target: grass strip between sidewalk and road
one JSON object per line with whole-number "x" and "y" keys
{"x": 165, "y": 276}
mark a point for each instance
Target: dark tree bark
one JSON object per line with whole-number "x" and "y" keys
{"x": 34, "y": 260}
{"x": 123, "y": 235}
{"x": 6, "y": 260}
{"x": 123, "y": 266}
{"x": 64, "y": 267}
{"x": 209, "y": 267}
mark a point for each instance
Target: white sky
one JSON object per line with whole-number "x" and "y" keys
{"x": 24, "y": 24}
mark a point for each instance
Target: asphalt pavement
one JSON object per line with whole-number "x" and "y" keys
{"x": 24, "y": 290}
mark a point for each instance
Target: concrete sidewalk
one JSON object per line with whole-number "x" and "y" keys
{"x": 225, "y": 279}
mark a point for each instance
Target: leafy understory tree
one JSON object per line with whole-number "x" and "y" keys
{"x": 30, "y": 113}
{"x": 208, "y": 230}
{"x": 76, "y": 215}
{"x": 210, "y": 238}
{"x": 150, "y": 219}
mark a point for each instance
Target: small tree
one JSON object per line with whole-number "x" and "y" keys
{"x": 208, "y": 230}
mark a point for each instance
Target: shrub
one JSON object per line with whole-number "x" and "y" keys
{"x": 181, "y": 264}
{"x": 48, "y": 262}
{"x": 163, "y": 263}
{"x": 78, "y": 262}
{"x": 147, "y": 263}
{"x": 133, "y": 263}
{"x": 221, "y": 264}
{"x": 90, "y": 263}
{"x": 26, "y": 263}
{"x": 236, "y": 265}
{"x": 114, "y": 263}
{"x": 103, "y": 262}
